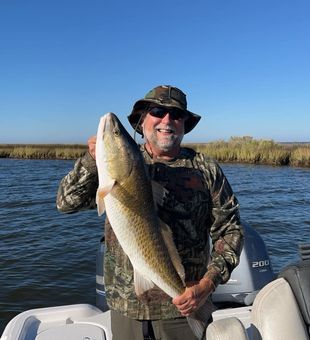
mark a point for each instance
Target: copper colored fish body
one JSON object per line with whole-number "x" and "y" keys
{"x": 125, "y": 193}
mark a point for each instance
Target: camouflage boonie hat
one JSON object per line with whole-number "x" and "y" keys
{"x": 167, "y": 96}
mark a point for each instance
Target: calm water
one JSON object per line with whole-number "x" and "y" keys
{"x": 48, "y": 258}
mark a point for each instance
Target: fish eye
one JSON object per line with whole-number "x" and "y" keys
{"x": 116, "y": 132}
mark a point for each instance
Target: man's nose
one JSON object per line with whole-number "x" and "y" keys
{"x": 166, "y": 118}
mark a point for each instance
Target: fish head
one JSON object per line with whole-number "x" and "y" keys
{"x": 116, "y": 151}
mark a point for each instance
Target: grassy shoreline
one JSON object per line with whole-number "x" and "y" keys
{"x": 42, "y": 151}
{"x": 236, "y": 150}
{"x": 249, "y": 150}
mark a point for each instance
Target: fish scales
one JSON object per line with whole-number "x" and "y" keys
{"x": 140, "y": 231}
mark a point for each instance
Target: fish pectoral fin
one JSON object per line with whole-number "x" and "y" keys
{"x": 101, "y": 194}
{"x": 100, "y": 205}
{"x": 172, "y": 250}
{"x": 142, "y": 284}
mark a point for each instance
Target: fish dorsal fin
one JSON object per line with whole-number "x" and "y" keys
{"x": 141, "y": 283}
{"x": 102, "y": 192}
{"x": 172, "y": 250}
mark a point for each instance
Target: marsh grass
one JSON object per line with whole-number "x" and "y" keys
{"x": 248, "y": 150}
{"x": 42, "y": 151}
{"x": 237, "y": 149}
{"x": 300, "y": 156}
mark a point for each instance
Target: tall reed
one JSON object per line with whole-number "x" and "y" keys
{"x": 248, "y": 150}
{"x": 300, "y": 156}
{"x": 42, "y": 151}
{"x": 237, "y": 149}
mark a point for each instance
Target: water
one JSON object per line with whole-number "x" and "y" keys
{"x": 48, "y": 258}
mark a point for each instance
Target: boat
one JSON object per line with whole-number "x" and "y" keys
{"x": 255, "y": 304}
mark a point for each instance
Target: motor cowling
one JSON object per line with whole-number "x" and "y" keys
{"x": 253, "y": 272}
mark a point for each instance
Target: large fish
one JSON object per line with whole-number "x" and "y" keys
{"x": 125, "y": 194}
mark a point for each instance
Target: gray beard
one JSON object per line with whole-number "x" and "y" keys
{"x": 167, "y": 144}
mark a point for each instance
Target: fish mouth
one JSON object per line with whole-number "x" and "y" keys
{"x": 108, "y": 123}
{"x": 104, "y": 123}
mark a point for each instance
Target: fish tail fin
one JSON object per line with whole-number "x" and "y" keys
{"x": 197, "y": 327}
{"x": 200, "y": 320}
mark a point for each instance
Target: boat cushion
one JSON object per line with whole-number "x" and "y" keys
{"x": 276, "y": 315}
{"x": 298, "y": 276}
{"x": 226, "y": 329}
{"x": 73, "y": 332}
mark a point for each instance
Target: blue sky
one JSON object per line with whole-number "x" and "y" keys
{"x": 244, "y": 65}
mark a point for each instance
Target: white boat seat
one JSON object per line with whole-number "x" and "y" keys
{"x": 276, "y": 314}
{"x": 298, "y": 276}
{"x": 281, "y": 310}
{"x": 226, "y": 329}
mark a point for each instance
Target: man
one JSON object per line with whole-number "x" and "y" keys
{"x": 193, "y": 197}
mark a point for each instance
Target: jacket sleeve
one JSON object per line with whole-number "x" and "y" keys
{"x": 77, "y": 190}
{"x": 226, "y": 231}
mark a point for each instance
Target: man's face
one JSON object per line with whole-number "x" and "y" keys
{"x": 163, "y": 133}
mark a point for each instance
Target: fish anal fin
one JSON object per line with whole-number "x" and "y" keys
{"x": 141, "y": 283}
{"x": 172, "y": 250}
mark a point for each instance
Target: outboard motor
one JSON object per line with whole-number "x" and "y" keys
{"x": 253, "y": 272}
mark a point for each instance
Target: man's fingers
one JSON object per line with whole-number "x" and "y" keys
{"x": 92, "y": 146}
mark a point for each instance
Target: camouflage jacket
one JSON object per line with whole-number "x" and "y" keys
{"x": 195, "y": 199}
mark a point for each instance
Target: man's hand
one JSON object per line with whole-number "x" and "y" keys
{"x": 92, "y": 146}
{"x": 195, "y": 295}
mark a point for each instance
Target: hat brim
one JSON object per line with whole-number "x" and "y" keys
{"x": 139, "y": 108}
